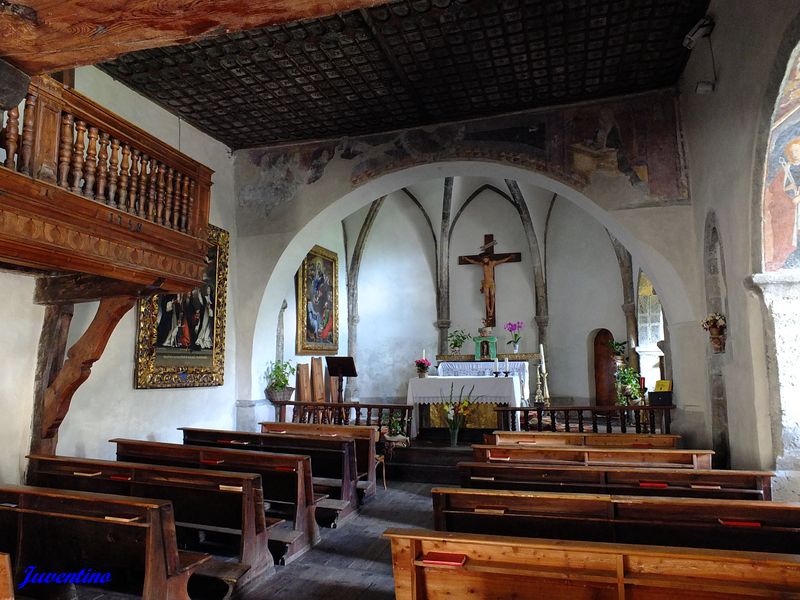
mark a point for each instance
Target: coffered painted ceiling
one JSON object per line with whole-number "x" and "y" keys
{"x": 412, "y": 62}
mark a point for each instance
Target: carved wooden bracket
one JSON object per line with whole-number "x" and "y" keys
{"x": 80, "y": 359}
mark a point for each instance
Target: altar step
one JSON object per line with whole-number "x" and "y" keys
{"x": 427, "y": 463}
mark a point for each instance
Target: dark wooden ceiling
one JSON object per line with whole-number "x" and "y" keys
{"x": 412, "y": 62}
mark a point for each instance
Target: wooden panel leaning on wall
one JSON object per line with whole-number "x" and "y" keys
{"x": 6, "y": 580}
{"x": 498, "y": 567}
{"x": 605, "y": 440}
{"x": 685, "y": 522}
{"x": 215, "y": 511}
{"x": 694, "y": 483}
{"x": 365, "y": 437}
{"x": 588, "y": 456}
{"x": 333, "y": 461}
{"x": 64, "y": 531}
{"x": 286, "y": 480}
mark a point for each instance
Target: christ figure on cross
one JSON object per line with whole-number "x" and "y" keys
{"x": 489, "y": 261}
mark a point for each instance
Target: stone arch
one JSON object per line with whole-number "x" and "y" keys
{"x": 716, "y": 291}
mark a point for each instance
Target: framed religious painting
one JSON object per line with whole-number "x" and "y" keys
{"x": 181, "y": 337}
{"x": 318, "y": 303}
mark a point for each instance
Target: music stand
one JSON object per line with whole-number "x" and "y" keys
{"x": 341, "y": 367}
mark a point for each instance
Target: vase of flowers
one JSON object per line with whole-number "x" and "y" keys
{"x": 457, "y": 409}
{"x": 422, "y": 365}
{"x": 514, "y": 327}
{"x": 456, "y": 339}
{"x": 716, "y": 325}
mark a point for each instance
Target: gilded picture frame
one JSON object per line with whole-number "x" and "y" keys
{"x": 317, "y": 286}
{"x": 181, "y": 337}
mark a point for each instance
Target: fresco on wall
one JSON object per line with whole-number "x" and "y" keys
{"x": 781, "y": 217}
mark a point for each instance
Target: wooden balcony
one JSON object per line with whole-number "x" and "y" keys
{"x": 82, "y": 190}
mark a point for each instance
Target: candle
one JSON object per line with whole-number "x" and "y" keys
{"x": 505, "y": 367}
{"x": 423, "y": 354}
{"x": 496, "y": 366}
{"x": 641, "y": 383}
{"x": 541, "y": 357}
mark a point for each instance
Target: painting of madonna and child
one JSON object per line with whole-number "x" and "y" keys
{"x": 317, "y": 303}
{"x": 781, "y": 218}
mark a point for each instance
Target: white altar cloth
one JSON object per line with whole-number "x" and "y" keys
{"x": 475, "y": 368}
{"x": 436, "y": 390}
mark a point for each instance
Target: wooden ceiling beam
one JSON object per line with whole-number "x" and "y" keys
{"x": 42, "y": 36}
{"x": 75, "y": 288}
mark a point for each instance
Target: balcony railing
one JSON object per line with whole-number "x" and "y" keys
{"x": 346, "y": 413}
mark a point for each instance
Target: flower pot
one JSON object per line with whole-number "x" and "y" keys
{"x": 516, "y": 348}
{"x": 422, "y": 374}
{"x": 275, "y": 395}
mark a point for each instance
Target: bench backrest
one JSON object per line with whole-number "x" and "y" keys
{"x": 689, "y": 522}
{"x": 6, "y": 578}
{"x": 603, "y": 440}
{"x": 732, "y": 485}
{"x": 221, "y": 499}
{"x": 503, "y": 567}
{"x": 585, "y": 455}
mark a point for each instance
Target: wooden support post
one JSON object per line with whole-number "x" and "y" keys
{"x": 80, "y": 359}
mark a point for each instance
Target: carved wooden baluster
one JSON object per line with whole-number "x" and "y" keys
{"x": 189, "y": 208}
{"x": 141, "y": 208}
{"x": 131, "y": 206}
{"x": 91, "y": 164}
{"x": 65, "y": 149}
{"x": 124, "y": 167}
{"x": 26, "y": 146}
{"x": 113, "y": 173}
{"x": 176, "y": 201}
{"x": 161, "y": 196}
{"x": 168, "y": 198}
{"x": 184, "y": 204}
{"x": 11, "y": 137}
{"x": 77, "y": 157}
{"x": 102, "y": 168}
{"x": 150, "y": 209}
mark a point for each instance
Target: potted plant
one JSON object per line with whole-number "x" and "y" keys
{"x": 422, "y": 365}
{"x": 514, "y": 327}
{"x": 716, "y": 324}
{"x": 456, "y": 339}
{"x": 627, "y": 383}
{"x": 618, "y": 348}
{"x": 277, "y": 376}
{"x": 456, "y": 410}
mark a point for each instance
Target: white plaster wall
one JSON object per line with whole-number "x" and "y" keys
{"x": 19, "y": 339}
{"x": 396, "y": 300}
{"x": 107, "y": 406}
{"x": 585, "y": 294}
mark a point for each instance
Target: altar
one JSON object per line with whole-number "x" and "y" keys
{"x": 430, "y": 391}
{"x": 484, "y": 368}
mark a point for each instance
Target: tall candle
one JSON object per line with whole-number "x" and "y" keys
{"x": 505, "y": 367}
{"x": 423, "y": 354}
{"x": 541, "y": 357}
{"x": 496, "y": 366}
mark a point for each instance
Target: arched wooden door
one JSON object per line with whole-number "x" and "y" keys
{"x": 605, "y": 393}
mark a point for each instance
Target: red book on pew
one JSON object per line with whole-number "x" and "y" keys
{"x": 653, "y": 484}
{"x": 444, "y": 558}
{"x": 738, "y": 523}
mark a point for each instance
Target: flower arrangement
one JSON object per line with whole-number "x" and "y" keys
{"x": 457, "y": 409}
{"x": 422, "y": 364}
{"x": 714, "y": 320}
{"x": 456, "y": 339}
{"x": 514, "y": 327}
{"x": 627, "y": 383}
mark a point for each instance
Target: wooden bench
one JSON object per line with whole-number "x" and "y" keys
{"x": 605, "y": 440}
{"x": 498, "y": 567}
{"x": 219, "y": 512}
{"x": 64, "y": 531}
{"x": 285, "y": 478}
{"x": 6, "y": 578}
{"x": 588, "y": 456}
{"x": 366, "y": 438}
{"x": 685, "y": 522}
{"x": 697, "y": 483}
{"x": 333, "y": 461}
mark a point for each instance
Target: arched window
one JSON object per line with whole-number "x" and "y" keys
{"x": 650, "y": 318}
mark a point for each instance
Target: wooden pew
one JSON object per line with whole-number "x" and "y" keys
{"x": 286, "y": 481}
{"x": 696, "y": 483}
{"x": 64, "y": 531}
{"x": 499, "y": 567}
{"x": 222, "y": 508}
{"x": 605, "y": 440}
{"x": 588, "y": 456}
{"x": 365, "y": 437}
{"x": 6, "y": 578}
{"x": 333, "y": 460}
{"x": 685, "y": 522}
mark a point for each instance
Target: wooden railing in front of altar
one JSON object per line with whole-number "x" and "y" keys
{"x": 584, "y": 419}
{"x": 347, "y": 413}
{"x": 84, "y": 190}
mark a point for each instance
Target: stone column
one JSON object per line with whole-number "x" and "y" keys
{"x": 443, "y": 276}
{"x": 780, "y": 295}
{"x": 541, "y": 329}
{"x": 632, "y": 333}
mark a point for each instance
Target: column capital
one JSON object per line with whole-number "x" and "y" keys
{"x": 443, "y": 324}
{"x": 542, "y": 320}
{"x": 629, "y": 308}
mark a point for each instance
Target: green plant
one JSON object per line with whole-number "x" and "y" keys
{"x": 626, "y": 379}
{"x": 396, "y": 424}
{"x": 456, "y": 338}
{"x": 277, "y": 374}
{"x": 617, "y": 347}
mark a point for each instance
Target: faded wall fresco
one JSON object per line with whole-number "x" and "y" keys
{"x": 635, "y": 139}
{"x": 781, "y": 218}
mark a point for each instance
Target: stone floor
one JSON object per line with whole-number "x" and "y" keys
{"x": 353, "y": 562}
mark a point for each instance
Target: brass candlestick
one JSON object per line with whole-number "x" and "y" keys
{"x": 545, "y": 390}
{"x": 539, "y": 397}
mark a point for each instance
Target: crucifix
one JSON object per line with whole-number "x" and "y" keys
{"x": 489, "y": 261}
